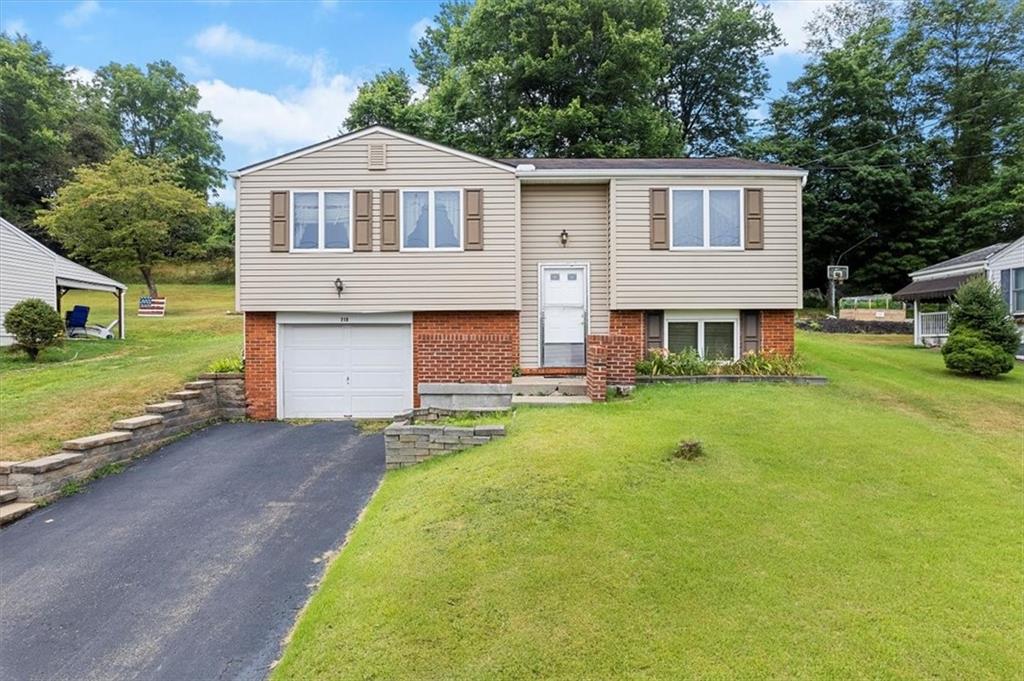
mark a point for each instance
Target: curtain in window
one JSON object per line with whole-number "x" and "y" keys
{"x": 337, "y": 214}
{"x": 682, "y": 336}
{"x": 415, "y": 220}
{"x": 306, "y": 220}
{"x": 687, "y": 218}
{"x": 718, "y": 340}
{"x": 447, "y": 218}
{"x": 724, "y": 214}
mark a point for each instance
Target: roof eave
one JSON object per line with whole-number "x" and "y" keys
{"x": 606, "y": 174}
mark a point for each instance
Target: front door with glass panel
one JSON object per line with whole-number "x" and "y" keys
{"x": 563, "y": 316}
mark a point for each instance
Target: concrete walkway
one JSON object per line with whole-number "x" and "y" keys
{"x": 191, "y": 564}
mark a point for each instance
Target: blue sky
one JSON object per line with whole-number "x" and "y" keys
{"x": 279, "y": 75}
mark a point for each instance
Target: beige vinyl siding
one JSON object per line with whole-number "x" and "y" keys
{"x": 378, "y": 281}
{"x": 547, "y": 209}
{"x": 26, "y": 271}
{"x": 706, "y": 279}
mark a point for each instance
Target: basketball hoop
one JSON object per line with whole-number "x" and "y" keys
{"x": 838, "y": 273}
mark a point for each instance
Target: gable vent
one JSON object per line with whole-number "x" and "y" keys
{"x": 377, "y": 156}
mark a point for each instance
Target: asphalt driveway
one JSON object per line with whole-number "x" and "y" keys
{"x": 191, "y": 564}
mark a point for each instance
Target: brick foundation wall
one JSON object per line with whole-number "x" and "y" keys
{"x": 261, "y": 364}
{"x": 597, "y": 370}
{"x": 464, "y": 347}
{"x": 625, "y": 343}
{"x": 777, "y": 331}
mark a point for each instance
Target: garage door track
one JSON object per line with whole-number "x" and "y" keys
{"x": 191, "y": 564}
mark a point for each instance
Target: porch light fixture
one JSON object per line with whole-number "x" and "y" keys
{"x": 564, "y": 238}
{"x": 339, "y": 286}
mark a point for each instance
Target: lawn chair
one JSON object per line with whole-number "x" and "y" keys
{"x": 76, "y": 322}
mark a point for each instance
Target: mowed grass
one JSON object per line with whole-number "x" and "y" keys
{"x": 83, "y": 387}
{"x": 871, "y": 528}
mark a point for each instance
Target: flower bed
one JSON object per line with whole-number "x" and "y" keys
{"x": 689, "y": 363}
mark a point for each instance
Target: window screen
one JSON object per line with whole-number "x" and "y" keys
{"x": 306, "y": 220}
{"x": 337, "y": 215}
{"x": 682, "y": 336}
{"x": 688, "y": 218}
{"x": 718, "y": 340}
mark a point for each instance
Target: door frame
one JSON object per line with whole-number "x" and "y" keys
{"x": 541, "y": 267}
{"x": 335, "y": 319}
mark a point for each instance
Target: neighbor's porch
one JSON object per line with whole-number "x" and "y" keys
{"x": 930, "y": 299}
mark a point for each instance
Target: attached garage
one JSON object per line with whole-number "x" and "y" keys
{"x": 344, "y": 366}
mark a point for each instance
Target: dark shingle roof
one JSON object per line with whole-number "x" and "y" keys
{"x": 978, "y": 256}
{"x": 939, "y": 288}
{"x": 612, "y": 164}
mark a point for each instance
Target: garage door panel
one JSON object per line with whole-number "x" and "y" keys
{"x": 338, "y": 371}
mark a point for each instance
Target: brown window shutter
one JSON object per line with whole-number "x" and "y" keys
{"x": 364, "y": 215}
{"x": 753, "y": 200}
{"x": 750, "y": 331}
{"x": 389, "y": 220}
{"x": 279, "y": 221}
{"x": 659, "y": 219}
{"x": 655, "y": 330}
{"x": 474, "y": 220}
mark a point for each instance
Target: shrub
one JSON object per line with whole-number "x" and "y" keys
{"x": 814, "y": 299}
{"x": 689, "y": 363}
{"x": 967, "y": 352}
{"x": 227, "y": 365}
{"x": 982, "y": 336}
{"x": 35, "y": 326}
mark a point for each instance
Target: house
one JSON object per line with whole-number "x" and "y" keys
{"x": 375, "y": 262}
{"x": 29, "y": 269}
{"x": 1002, "y": 263}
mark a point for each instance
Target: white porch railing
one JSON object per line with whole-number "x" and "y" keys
{"x": 934, "y": 324}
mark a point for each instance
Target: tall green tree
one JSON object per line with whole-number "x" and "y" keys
{"x": 548, "y": 78}
{"x": 45, "y": 129}
{"x": 716, "y": 72}
{"x": 156, "y": 113}
{"x": 385, "y": 100}
{"x": 126, "y": 213}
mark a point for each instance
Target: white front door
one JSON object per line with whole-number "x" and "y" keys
{"x": 563, "y": 315}
{"x": 345, "y": 370}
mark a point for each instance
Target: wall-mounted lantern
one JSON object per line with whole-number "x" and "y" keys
{"x": 564, "y": 237}
{"x": 339, "y": 286}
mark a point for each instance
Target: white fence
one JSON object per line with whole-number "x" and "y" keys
{"x": 934, "y": 324}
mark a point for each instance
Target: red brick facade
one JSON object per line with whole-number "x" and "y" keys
{"x": 777, "y": 331}
{"x": 464, "y": 347}
{"x": 597, "y": 369}
{"x": 626, "y": 342}
{"x": 261, "y": 365}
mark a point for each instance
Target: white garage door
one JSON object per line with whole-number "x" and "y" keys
{"x": 339, "y": 371}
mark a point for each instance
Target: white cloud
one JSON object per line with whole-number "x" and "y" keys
{"x": 222, "y": 40}
{"x": 15, "y": 27}
{"x": 81, "y": 74}
{"x": 80, "y": 13}
{"x": 264, "y": 123}
{"x": 419, "y": 29}
{"x": 791, "y": 16}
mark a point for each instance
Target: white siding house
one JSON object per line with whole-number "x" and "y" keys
{"x": 29, "y": 269}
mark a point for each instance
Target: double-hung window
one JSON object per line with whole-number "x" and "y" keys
{"x": 704, "y": 217}
{"x": 321, "y": 220}
{"x": 713, "y": 337}
{"x": 431, "y": 219}
{"x": 1017, "y": 290}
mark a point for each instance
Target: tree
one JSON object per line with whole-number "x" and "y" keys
{"x": 547, "y": 78}
{"x": 127, "y": 212}
{"x": 220, "y": 243}
{"x": 715, "y": 74}
{"x": 982, "y": 336}
{"x": 35, "y": 326}
{"x": 385, "y": 100}
{"x": 43, "y": 130}
{"x": 156, "y": 115}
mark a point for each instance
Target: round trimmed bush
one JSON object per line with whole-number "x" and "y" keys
{"x": 35, "y": 325}
{"x": 968, "y": 352}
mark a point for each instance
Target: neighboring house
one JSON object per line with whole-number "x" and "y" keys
{"x": 29, "y": 269}
{"x": 1002, "y": 263}
{"x": 376, "y": 261}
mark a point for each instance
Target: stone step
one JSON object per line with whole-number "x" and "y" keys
{"x": 8, "y": 494}
{"x": 165, "y": 407}
{"x": 201, "y": 384}
{"x": 137, "y": 422}
{"x": 82, "y": 444}
{"x": 13, "y": 510}
{"x": 185, "y": 395}
{"x": 47, "y": 463}
{"x": 540, "y": 385}
{"x": 550, "y": 400}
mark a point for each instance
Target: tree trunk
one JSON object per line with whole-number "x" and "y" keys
{"x": 147, "y": 276}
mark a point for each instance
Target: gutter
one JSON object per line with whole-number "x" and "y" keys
{"x": 528, "y": 171}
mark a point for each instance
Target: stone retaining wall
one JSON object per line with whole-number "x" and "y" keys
{"x": 412, "y": 438}
{"x": 214, "y": 397}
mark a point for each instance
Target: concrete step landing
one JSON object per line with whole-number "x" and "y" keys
{"x": 550, "y": 400}
{"x": 543, "y": 386}
{"x": 13, "y": 510}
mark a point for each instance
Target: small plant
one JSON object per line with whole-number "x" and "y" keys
{"x": 689, "y": 363}
{"x": 689, "y": 450}
{"x": 982, "y": 336}
{"x": 71, "y": 488}
{"x": 35, "y": 326}
{"x": 227, "y": 365}
{"x": 517, "y": 371}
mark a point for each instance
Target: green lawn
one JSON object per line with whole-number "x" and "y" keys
{"x": 83, "y": 387}
{"x": 871, "y": 528}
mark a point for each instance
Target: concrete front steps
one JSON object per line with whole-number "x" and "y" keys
{"x": 549, "y": 390}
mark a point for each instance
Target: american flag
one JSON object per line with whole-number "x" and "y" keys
{"x": 152, "y": 307}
